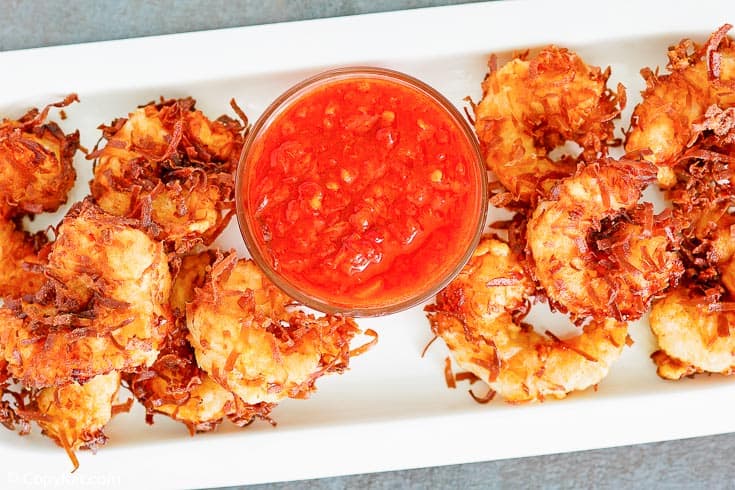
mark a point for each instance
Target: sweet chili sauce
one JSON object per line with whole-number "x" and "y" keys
{"x": 363, "y": 192}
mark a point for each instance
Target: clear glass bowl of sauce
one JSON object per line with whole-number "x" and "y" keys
{"x": 361, "y": 191}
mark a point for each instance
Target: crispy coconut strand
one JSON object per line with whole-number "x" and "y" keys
{"x": 248, "y": 336}
{"x": 480, "y": 317}
{"x": 74, "y": 415}
{"x": 721, "y": 123}
{"x": 19, "y": 257}
{"x": 103, "y": 307}
{"x": 663, "y": 124}
{"x": 637, "y": 251}
{"x": 705, "y": 190}
{"x": 618, "y": 276}
{"x": 172, "y": 168}
{"x": 531, "y": 106}
{"x": 36, "y": 169}
{"x": 693, "y": 325}
{"x": 36, "y": 174}
{"x": 174, "y": 385}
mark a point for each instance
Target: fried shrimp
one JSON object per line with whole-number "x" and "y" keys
{"x": 36, "y": 174}
{"x": 693, "y": 323}
{"x": 36, "y": 170}
{"x": 531, "y": 106}
{"x": 699, "y": 76}
{"x": 248, "y": 337}
{"x": 691, "y": 337}
{"x": 479, "y": 316}
{"x": 174, "y": 385}
{"x": 584, "y": 278}
{"x": 103, "y": 306}
{"x": 74, "y": 415}
{"x": 171, "y": 167}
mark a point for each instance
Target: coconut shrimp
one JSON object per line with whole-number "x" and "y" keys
{"x": 692, "y": 324}
{"x": 177, "y": 387}
{"x": 171, "y": 167}
{"x": 36, "y": 174}
{"x": 36, "y": 169}
{"x": 74, "y": 415}
{"x": 691, "y": 338}
{"x": 566, "y": 243}
{"x": 174, "y": 385}
{"x": 248, "y": 337}
{"x": 479, "y": 316}
{"x": 531, "y": 106}
{"x": 103, "y": 306}
{"x": 663, "y": 123}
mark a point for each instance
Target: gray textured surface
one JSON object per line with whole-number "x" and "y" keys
{"x": 28, "y": 24}
{"x": 695, "y": 463}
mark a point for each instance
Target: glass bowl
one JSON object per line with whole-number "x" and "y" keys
{"x": 361, "y": 191}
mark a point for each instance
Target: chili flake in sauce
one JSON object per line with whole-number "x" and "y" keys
{"x": 364, "y": 191}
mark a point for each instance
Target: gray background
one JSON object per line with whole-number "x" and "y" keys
{"x": 705, "y": 462}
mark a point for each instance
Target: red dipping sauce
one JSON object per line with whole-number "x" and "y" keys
{"x": 361, "y": 191}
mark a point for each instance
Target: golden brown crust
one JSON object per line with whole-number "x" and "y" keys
{"x": 74, "y": 415}
{"x": 36, "y": 174}
{"x": 480, "y": 317}
{"x": 691, "y": 338}
{"x": 175, "y": 385}
{"x": 628, "y": 264}
{"x": 36, "y": 163}
{"x": 103, "y": 306}
{"x": 692, "y": 324}
{"x": 531, "y": 106}
{"x": 172, "y": 168}
{"x": 19, "y": 260}
{"x": 249, "y": 338}
{"x": 662, "y": 125}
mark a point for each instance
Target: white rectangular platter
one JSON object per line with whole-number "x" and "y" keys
{"x": 392, "y": 410}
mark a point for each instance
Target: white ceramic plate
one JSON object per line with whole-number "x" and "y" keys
{"x": 392, "y": 410}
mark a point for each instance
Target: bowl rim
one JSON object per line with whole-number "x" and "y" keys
{"x": 282, "y": 103}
